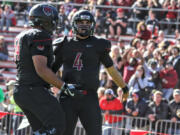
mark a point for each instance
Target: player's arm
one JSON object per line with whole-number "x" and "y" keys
{"x": 40, "y": 64}
{"x": 108, "y": 63}
{"x": 117, "y": 78}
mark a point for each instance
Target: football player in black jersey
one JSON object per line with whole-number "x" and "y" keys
{"x": 33, "y": 56}
{"x": 81, "y": 57}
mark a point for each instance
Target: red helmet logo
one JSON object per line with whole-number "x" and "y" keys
{"x": 47, "y": 10}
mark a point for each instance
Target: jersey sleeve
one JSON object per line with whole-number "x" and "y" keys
{"x": 105, "y": 58}
{"x": 40, "y": 46}
{"x": 40, "y": 43}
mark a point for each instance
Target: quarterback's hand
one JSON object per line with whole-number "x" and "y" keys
{"x": 71, "y": 90}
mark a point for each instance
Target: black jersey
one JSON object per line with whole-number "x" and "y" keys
{"x": 27, "y": 44}
{"x": 81, "y": 60}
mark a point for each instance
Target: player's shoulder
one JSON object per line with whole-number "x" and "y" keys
{"x": 35, "y": 35}
{"x": 59, "y": 41}
{"x": 101, "y": 39}
{"x": 40, "y": 34}
{"x": 102, "y": 43}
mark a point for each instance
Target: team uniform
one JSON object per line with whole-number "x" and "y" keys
{"x": 32, "y": 93}
{"x": 81, "y": 60}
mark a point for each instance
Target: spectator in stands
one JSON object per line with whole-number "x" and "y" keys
{"x": 142, "y": 47}
{"x": 165, "y": 3}
{"x": 160, "y": 37}
{"x": 169, "y": 79}
{"x": 151, "y": 66}
{"x": 149, "y": 50}
{"x": 120, "y": 94}
{"x": 157, "y": 54}
{"x": 152, "y": 73}
{"x": 135, "y": 107}
{"x": 136, "y": 54}
{"x": 152, "y": 23}
{"x": 72, "y": 13}
{"x": 163, "y": 46}
{"x": 121, "y": 22}
{"x": 3, "y": 49}
{"x": 108, "y": 2}
{"x": 26, "y": 12}
{"x": 122, "y": 97}
{"x": 121, "y": 44}
{"x": 174, "y": 106}
{"x": 100, "y": 22}
{"x": 155, "y": 4}
{"x": 1, "y": 11}
{"x": 103, "y": 78}
{"x": 142, "y": 31}
{"x": 8, "y": 17}
{"x": 171, "y": 16}
{"x": 100, "y": 92}
{"x": 115, "y": 53}
{"x": 109, "y": 24}
{"x": 175, "y": 58}
{"x": 68, "y": 6}
{"x": 130, "y": 64}
{"x": 79, "y": 1}
{"x": 63, "y": 21}
{"x": 125, "y": 3}
{"x": 157, "y": 109}
{"x": 138, "y": 82}
{"x": 111, "y": 107}
{"x": 136, "y": 43}
{"x": 139, "y": 13}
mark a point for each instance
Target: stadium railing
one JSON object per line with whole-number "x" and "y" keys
{"x": 121, "y": 124}
{"x": 168, "y": 127}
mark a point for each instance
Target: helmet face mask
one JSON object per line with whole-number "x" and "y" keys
{"x": 44, "y": 16}
{"x": 83, "y": 23}
{"x": 83, "y": 27}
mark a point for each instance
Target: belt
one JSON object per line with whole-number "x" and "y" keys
{"x": 88, "y": 92}
{"x": 31, "y": 85}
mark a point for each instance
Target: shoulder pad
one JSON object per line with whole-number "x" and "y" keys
{"x": 59, "y": 41}
{"x": 103, "y": 40}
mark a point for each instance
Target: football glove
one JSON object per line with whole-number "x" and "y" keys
{"x": 71, "y": 90}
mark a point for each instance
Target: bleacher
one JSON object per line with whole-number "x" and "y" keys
{"x": 8, "y": 68}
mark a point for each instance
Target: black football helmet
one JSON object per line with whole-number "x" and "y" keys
{"x": 43, "y": 15}
{"x": 80, "y": 16}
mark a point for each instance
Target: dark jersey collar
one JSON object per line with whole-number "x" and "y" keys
{"x": 78, "y": 39}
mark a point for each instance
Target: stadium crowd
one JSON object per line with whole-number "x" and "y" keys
{"x": 149, "y": 63}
